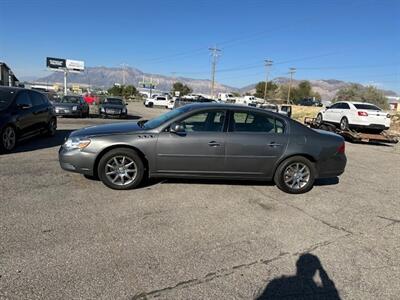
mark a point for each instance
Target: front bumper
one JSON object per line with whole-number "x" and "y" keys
{"x": 77, "y": 161}
{"x": 113, "y": 115}
{"x": 67, "y": 113}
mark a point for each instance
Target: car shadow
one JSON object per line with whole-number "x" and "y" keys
{"x": 41, "y": 142}
{"x": 302, "y": 285}
{"x": 154, "y": 181}
{"x": 128, "y": 117}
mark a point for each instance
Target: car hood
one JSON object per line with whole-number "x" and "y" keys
{"x": 106, "y": 129}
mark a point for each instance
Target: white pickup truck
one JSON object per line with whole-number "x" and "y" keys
{"x": 249, "y": 100}
{"x": 163, "y": 101}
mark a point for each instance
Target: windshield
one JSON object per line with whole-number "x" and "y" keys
{"x": 367, "y": 106}
{"x": 157, "y": 121}
{"x": 113, "y": 101}
{"x": 70, "y": 99}
{"x": 5, "y": 98}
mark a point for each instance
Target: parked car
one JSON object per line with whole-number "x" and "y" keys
{"x": 355, "y": 115}
{"x": 206, "y": 141}
{"x": 23, "y": 114}
{"x": 72, "y": 106}
{"x": 157, "y": 101}
{"x": 185, "y": 101}
{"x": 226, "y": 97}
{"x": 113, "y": 107}
{"x": 309, "y": 102}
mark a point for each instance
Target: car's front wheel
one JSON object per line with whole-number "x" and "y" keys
{"x": 8, "y": 139}
{"x": 319, "y": 119}
{"x": 295, "y": 175}
{"x": 121, "y": 169}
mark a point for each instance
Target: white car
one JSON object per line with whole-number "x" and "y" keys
{"x": 163, "y": 101}
{"x": 355, "y": 115}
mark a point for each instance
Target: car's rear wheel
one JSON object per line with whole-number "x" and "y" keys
{"x": 295, "y": 175}
{"x": 121, "y": 169}
{"x": 8, "y": 139}
{"x": 52, "y": 127}
{"x": 344, "y": 124}
{"x": 150, "y": 104}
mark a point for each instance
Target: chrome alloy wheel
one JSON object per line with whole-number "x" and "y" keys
{"x": 296, "y": 175}
{"x": 121, "y": 170}
{"x": 9, "y": 138}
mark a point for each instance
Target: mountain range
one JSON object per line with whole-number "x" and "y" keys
{"x": 105, "y": 77}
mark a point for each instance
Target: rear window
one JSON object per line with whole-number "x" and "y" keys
{"x": 71, "y": 99}
{"x": 367, "y": 106}
{"x": 6, "y": 97}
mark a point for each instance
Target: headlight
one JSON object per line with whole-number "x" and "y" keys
{"x": 102, "y": 109}
{"x": 124, "y": 110}
{"x": 74, "y": 107}
{"x": 76, "y": 143}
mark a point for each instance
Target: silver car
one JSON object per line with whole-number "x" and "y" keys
{"x": 206, "y": 141}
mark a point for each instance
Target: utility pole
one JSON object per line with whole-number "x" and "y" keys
{"x": 65, "y": 81}
{"x": 215, "y": 53}
{"x": 123, "y": 73}
{"x": 291, "y": 72}
{"x": 268, "y": 64}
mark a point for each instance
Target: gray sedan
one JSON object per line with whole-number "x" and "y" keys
{"x": 206, "y": 141}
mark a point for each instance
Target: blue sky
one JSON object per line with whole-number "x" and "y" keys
{"x": 356, "y": 40}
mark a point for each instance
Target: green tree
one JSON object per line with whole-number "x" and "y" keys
{"x": 124, "y": 91}
{"x": 183, "y": 89}
{"x": 271, "y": 89}
{"x": 357, "y": 92}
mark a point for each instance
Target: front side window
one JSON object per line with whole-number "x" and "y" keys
{"x": 205, "y": 121}
{"x": 256, "y": 122}
{"x": 334, "y": 106}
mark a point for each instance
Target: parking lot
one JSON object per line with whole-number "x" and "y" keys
{"x": 63, "y": 236}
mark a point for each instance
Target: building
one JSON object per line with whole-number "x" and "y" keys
{"x": 7, "y": 77}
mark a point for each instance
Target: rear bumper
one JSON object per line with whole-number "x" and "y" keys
{"x": 370, "y": 126}
{"x": 332, "y": 167}
{"x": 77, "y": 161}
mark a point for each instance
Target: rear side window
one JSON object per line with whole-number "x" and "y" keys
{"x": 256, "y": 122}
{"x": 37, "y": 99}
{"x": 23, "y": 99}
{"x": 367, "y": 106}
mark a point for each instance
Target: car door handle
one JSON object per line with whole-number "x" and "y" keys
{"x": 214, "y": 144}
{"x": 273, "y": 144}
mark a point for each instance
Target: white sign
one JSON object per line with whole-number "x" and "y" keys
{"x": 75, "y": 65}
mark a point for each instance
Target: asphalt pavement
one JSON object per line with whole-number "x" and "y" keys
{"x": 63, "y": 236}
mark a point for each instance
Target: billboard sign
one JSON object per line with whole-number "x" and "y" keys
{"x": 55, "y": 63}
{"x": 75, "y": 65}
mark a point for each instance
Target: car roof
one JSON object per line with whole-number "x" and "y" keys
{"x": 355, "y": 102}
{"x": 206, "y": 105}
{"x": 13, "y": 88}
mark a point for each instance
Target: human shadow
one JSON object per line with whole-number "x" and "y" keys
{"x": 302, "y": 285}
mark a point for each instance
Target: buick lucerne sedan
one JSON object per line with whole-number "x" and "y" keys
{"x": 216, "y": 141}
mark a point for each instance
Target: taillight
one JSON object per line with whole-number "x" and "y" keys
{"x": 363, "y": 114}
{"x": 341, "y": 148}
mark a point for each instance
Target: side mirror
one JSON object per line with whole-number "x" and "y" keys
{"x": 177, "y": 128}
{"x": 327, "y": 107}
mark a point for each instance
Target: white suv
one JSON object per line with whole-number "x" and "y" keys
{"x": 355, "y": 115}
{"x": 158, "y": 101}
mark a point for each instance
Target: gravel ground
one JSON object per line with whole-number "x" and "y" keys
{"x": 63, "y": 236}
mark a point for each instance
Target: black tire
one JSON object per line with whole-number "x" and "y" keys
{"x": 118, "y": 153}
{"x": 282, "y": 173}
{"x": 344, "y": 124}
{"x": 51, "y": 127}
{"x": 150, "y": 104}
{"x": 7, "y": 145}
{"x": 319, "y": 119}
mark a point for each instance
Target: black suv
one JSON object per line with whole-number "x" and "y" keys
{"x": 24, "y": 113}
